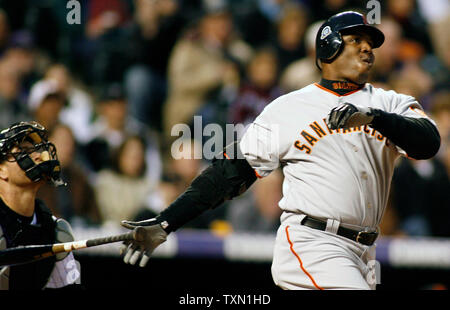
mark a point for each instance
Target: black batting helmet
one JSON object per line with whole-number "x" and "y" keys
{"x": 329, "y": 39}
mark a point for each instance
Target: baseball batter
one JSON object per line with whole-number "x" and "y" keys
{"x": 336, "y": 141}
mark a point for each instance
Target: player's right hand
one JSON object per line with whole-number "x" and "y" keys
{"x": 134, "y": 250}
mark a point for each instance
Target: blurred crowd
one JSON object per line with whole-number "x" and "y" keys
{"x": 110, "y": 89}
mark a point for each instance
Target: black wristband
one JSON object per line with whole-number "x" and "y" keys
{"x": 181, "y": 211}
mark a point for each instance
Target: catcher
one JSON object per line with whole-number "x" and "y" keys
{"x": 27, "y": 160}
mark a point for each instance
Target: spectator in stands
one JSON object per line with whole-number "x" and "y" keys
{"x": 257, "y": 211}
{"x": 105, "y": 15}
{"x": 150, "y": 38}
{"x": 437, "y": 17}
{"x": 104, "y": 31}
{"x": 18, "y": 70}
{"x": 273, "y": 10}
{"x": 289, "y": 38}
{"x": 46, "y": 103}
{"x": 390, "y": 223}
{"x": 12, "y": 108}
{"x": 326, "y": 8}
{"x": 5, "y": 31}
{"x": 410, "y": 18}
{"x": 388, "y": 55}
{"x": 258, "y": 89}
{"x": 185, "y": 163}
{"x": 23, "y": 54}
{"x": 202, "y": 64}
{"x": 412, "y": 80}
{"x": 440, "y": 110}
{"x": 420, "y": 189}
{"x": 74, "y": 202}
{"x": 304, "y": 71}
{"x": 421, "y": 197}
{"x": 78, "y": 111}
{"x": 124, "y": 189}
{"x": 110, "y": 129}
{"x": 252, "y": 22}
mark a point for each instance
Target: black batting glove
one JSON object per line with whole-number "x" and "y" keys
{"x": 347, "y": 115}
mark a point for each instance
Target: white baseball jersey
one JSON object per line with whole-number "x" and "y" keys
{"x": 339, "y": 176}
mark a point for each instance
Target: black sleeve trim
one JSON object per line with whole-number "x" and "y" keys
{"x": 418, "y": 137}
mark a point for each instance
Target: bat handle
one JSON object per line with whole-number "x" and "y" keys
{"x": 112, "y": 239}
{"x": 137, "y": 234}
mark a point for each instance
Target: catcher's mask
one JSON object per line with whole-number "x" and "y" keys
{"x": 30, "y": 137}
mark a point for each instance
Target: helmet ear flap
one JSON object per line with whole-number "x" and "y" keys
{"x": 328, "y": 47}
{"x": 336, "y": 43}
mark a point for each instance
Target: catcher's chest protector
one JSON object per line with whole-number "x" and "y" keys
{"x": 15, "y": 233}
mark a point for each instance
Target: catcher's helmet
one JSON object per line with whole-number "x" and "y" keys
{"x": 31, "y": 137}
{"x": 329, "y": 39}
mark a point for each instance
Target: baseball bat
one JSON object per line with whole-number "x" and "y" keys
{"x": 30, "y": 253}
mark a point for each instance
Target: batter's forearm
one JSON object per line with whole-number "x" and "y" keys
{"x": 223, "y": 180}
{"x": 418, "y": 137}
{"x": 204, "y": 193}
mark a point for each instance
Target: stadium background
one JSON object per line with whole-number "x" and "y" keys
{"x": 110, "y": 88}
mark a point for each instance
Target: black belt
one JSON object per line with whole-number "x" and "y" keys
{"x": 363, "y": 237}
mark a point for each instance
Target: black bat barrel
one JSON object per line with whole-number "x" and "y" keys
{"x": 24, "y": 254}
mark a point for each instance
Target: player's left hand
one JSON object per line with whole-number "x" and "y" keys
{"x": 349, "y": 115}
{"x": 135, "y": 250}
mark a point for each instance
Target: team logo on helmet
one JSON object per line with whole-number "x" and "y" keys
{"x": 325, "y": 32}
